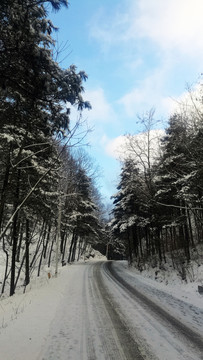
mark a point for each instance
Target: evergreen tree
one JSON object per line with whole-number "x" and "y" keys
{"x": 130, "y": 211}
{"x": 34, "y": 96}
{"x": 86, "y": 226}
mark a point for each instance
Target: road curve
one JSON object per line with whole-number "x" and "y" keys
{"x": 188, "y": 337}
{"x": 104, "y": 315}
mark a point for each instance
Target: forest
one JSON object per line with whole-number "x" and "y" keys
{"x": 158, "y": 209}
{"x": 49, "y": 203}
{"x": 51, "y": 212}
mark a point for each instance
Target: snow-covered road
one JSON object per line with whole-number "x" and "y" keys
{"x": 163, "y": 326}
{"x": 100, "y": 311}
{"x": 87, "y": 325}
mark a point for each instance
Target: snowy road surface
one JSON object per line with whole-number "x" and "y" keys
{"x": 102, "y": 311}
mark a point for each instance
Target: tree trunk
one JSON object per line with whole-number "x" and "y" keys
{"x": 14, "y": 250}
{"x": 129, "y": 249}
{"x": 6, "y": 267}
{"x": 27, "y": 258}
{"x": 15, "y": 236}
{"x": 74, "y": 248}
{"x": 71, "y": 246}
{"x": 4, "y": 190}
{"x": 187, "y": 243}
{"x": 47, "y": 241}
{"x": 158, "y": 244}
{"x": 79, "y": 249}
{"x": 20, "y": 243}
{"x": 19, "y": 270}
{"x": 190, "y": 228}
{"x": 42, "y": 251}
{"x": 64, "y": 247}
{"x": 50, "y": 253}
{"x": 38, "y": 246}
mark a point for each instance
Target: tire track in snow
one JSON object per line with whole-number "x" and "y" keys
{"x": 116, "y": 338}
{"x": 192, "y": 338}
{"x": 87, "y": 350}
{"x": 190, "y": 314}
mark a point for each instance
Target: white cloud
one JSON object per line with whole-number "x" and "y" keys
{"x": 116, "y": 147}
{"x": 172, "y": 25}
{"x": 150, "y": 42}
{"x": 189, "y": 103}
{"x": 101, "y": 111}
{"x": 136, "y": 146}
{"x": 155, "y": 36}
{"x": 148, "y": 94}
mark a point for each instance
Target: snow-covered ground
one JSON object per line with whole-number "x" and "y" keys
{"x": 61, "y": 318}
{"x": 168, "y": 281}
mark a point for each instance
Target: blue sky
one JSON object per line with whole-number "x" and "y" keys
{"x": 138, "y": 54}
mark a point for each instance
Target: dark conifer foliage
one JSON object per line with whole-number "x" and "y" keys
{"x": 164, "y": 219}
{"x": 35, "y": 100}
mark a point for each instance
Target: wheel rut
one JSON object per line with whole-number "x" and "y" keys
{"x": 192, "y": 338}
{"x": 122, "y": 343}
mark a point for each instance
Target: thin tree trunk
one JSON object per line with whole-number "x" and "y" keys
{"x": 187, "y": 243}
{"x": 50, "y": 253}
{"x": 6, "y": 267}
{"x": 71, "y": 246}
{"x": 74, "y": 248}
{"x": 15, "y": 236}
{"x": 19, "y": 270}
{"x": 63, "y": 233}
{"x": 190, "y": 228}
{"x": 20, "y": 243}
{"x": 64, "y": 247}
{"x": 4, "y": 189}
{"x": 47, "y": 241}
{"x": 129, "y": 249}
{"x": 164, "y": 244}
{"x": 42, "y": 252}
{"x": 172, "y": 246}
{"x": 14, "y": 250}
{"x": 38, "y": 245}
{"x": 158, "y": 245}
{"x": 27, "y": 258}
{"x": 79, "y": 249}
{"x": 40, "y": 263}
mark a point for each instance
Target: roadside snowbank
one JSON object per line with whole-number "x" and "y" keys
{"x": 25, "y": 318}
{"x": 169, "y": 281}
